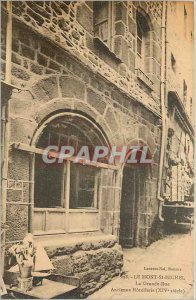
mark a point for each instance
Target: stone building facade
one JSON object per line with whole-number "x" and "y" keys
{"x": 179, "y": 166}
{"x": 81, "y": 71}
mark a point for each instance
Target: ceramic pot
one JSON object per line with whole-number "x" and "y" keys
{"x": 25, "y": 271}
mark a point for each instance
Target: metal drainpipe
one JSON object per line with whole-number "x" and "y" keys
{"x": 7, "y": 126}
{"x": 163, "y": 107}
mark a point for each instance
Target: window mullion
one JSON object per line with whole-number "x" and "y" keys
{"x": 63, "y": 185}
{"x": 143, "y": 54}
{"x": 67, "y": 193}
{"x": 95, "y": 204}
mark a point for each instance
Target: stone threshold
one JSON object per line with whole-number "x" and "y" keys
{"x": 63, "y": 240}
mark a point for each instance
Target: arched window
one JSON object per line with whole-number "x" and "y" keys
{"x": 143, "y": 41}
{"x": 67, "y": 186}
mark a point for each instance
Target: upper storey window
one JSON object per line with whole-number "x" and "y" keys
{"x": 142, "y": 41}
{"x": 143, "y": 63}
{"x": 103, "y": 22}
{"x": 140, "y": 48}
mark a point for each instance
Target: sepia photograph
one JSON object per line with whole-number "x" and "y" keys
{"x": 97, "y": 150}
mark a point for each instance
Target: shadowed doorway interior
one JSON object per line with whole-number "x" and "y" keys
{"x": 129, "y": 209}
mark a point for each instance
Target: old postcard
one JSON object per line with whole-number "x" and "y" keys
{"x": 97, "y": 144}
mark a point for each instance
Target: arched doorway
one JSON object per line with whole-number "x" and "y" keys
{"x": 128, "y": 209}
{"x": 135, "y": 207}
{"x": 66, "y": 197}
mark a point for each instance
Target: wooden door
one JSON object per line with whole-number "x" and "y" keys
{"x": 128, "y": 209}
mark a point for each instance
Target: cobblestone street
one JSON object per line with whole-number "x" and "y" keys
{"x": 173, "y": 251}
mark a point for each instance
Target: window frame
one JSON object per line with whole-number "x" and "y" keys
{"x": 142, "y": 54}
{"x": 65, "y": 190}
{"x": 110, "y": 21}
{"x": 95, "y": 197}
{"x": 140, "y": 58}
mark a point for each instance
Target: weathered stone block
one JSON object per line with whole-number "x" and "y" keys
{"x": 21, "y": 130}
{"x": 26, "y": 188}
{"x": 143, "y": 133}
{"x": 42, "y": 60}
{"x": 85, "y": 17}
{"x": 86, "y": 246}
{"x": 72, "y": 87}
{"x": 14, "y": 195}
{"x": 20, "y": 73}
{"x": 151, "y": 143}
{"x": 121, "y": 49}
{"x": 157, "y": 28}
{"x": 111, "y": 120}
{"x": 27, "y": 52}
{"x": 64, "y": 265}
{"x": 47, "y": 50}
{"x": 24, "y": 35}
{"x": 108, "y": 178}
{"x": 156, "y": 81}
{"x": 107, "y": 198}
{"x": 46, "y": 89}
{"x": 106, "y": 222}
{"x": 85, "y": 276}
{"x": 97, "y": 245}
{"x": 83, "y": 107}
{"x": 157, "y": 52}
{"x": 54, "y": 105}
{"x": 15, "y": 59}
{"x": 37, "y": 69}
{"x": 15, "y": 45}
{"x": 18, "y": 167}
{"x": 132, "y": 26}
{"x": 61, "y": 250}
{"x": 54, "y": 66}
{"x": 132, "y": 59}
{"x": 119, "y": 28}
{"x": 96, "y": 101}
{"x": 17, "y": 221}
{"x": 121, "y": 12}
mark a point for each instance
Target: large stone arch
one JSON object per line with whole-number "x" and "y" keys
{"x": 57, "y": 106}
{"x": 49, "y": 95}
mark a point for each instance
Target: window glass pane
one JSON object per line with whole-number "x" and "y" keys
{"x": 143, "y": 42}
{"x": 101, "y": 11}
{"x": 103, "y": 32}
{"x": 139, "y": 62}
{"x": 50, "y": 179}
{"x": 139, "y": 46}
{"x": 83, "y": 186}
{"x": 139, "y": 31}
{"x": 48, "y": 183}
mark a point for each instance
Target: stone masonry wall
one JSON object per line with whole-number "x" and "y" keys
{"x": 56, "y": 67}
{"x": 52, "y": 79}
{"x": 70, "y": 25}
{"x": 95, "y": 263}
{"x": 60, "y": 93}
